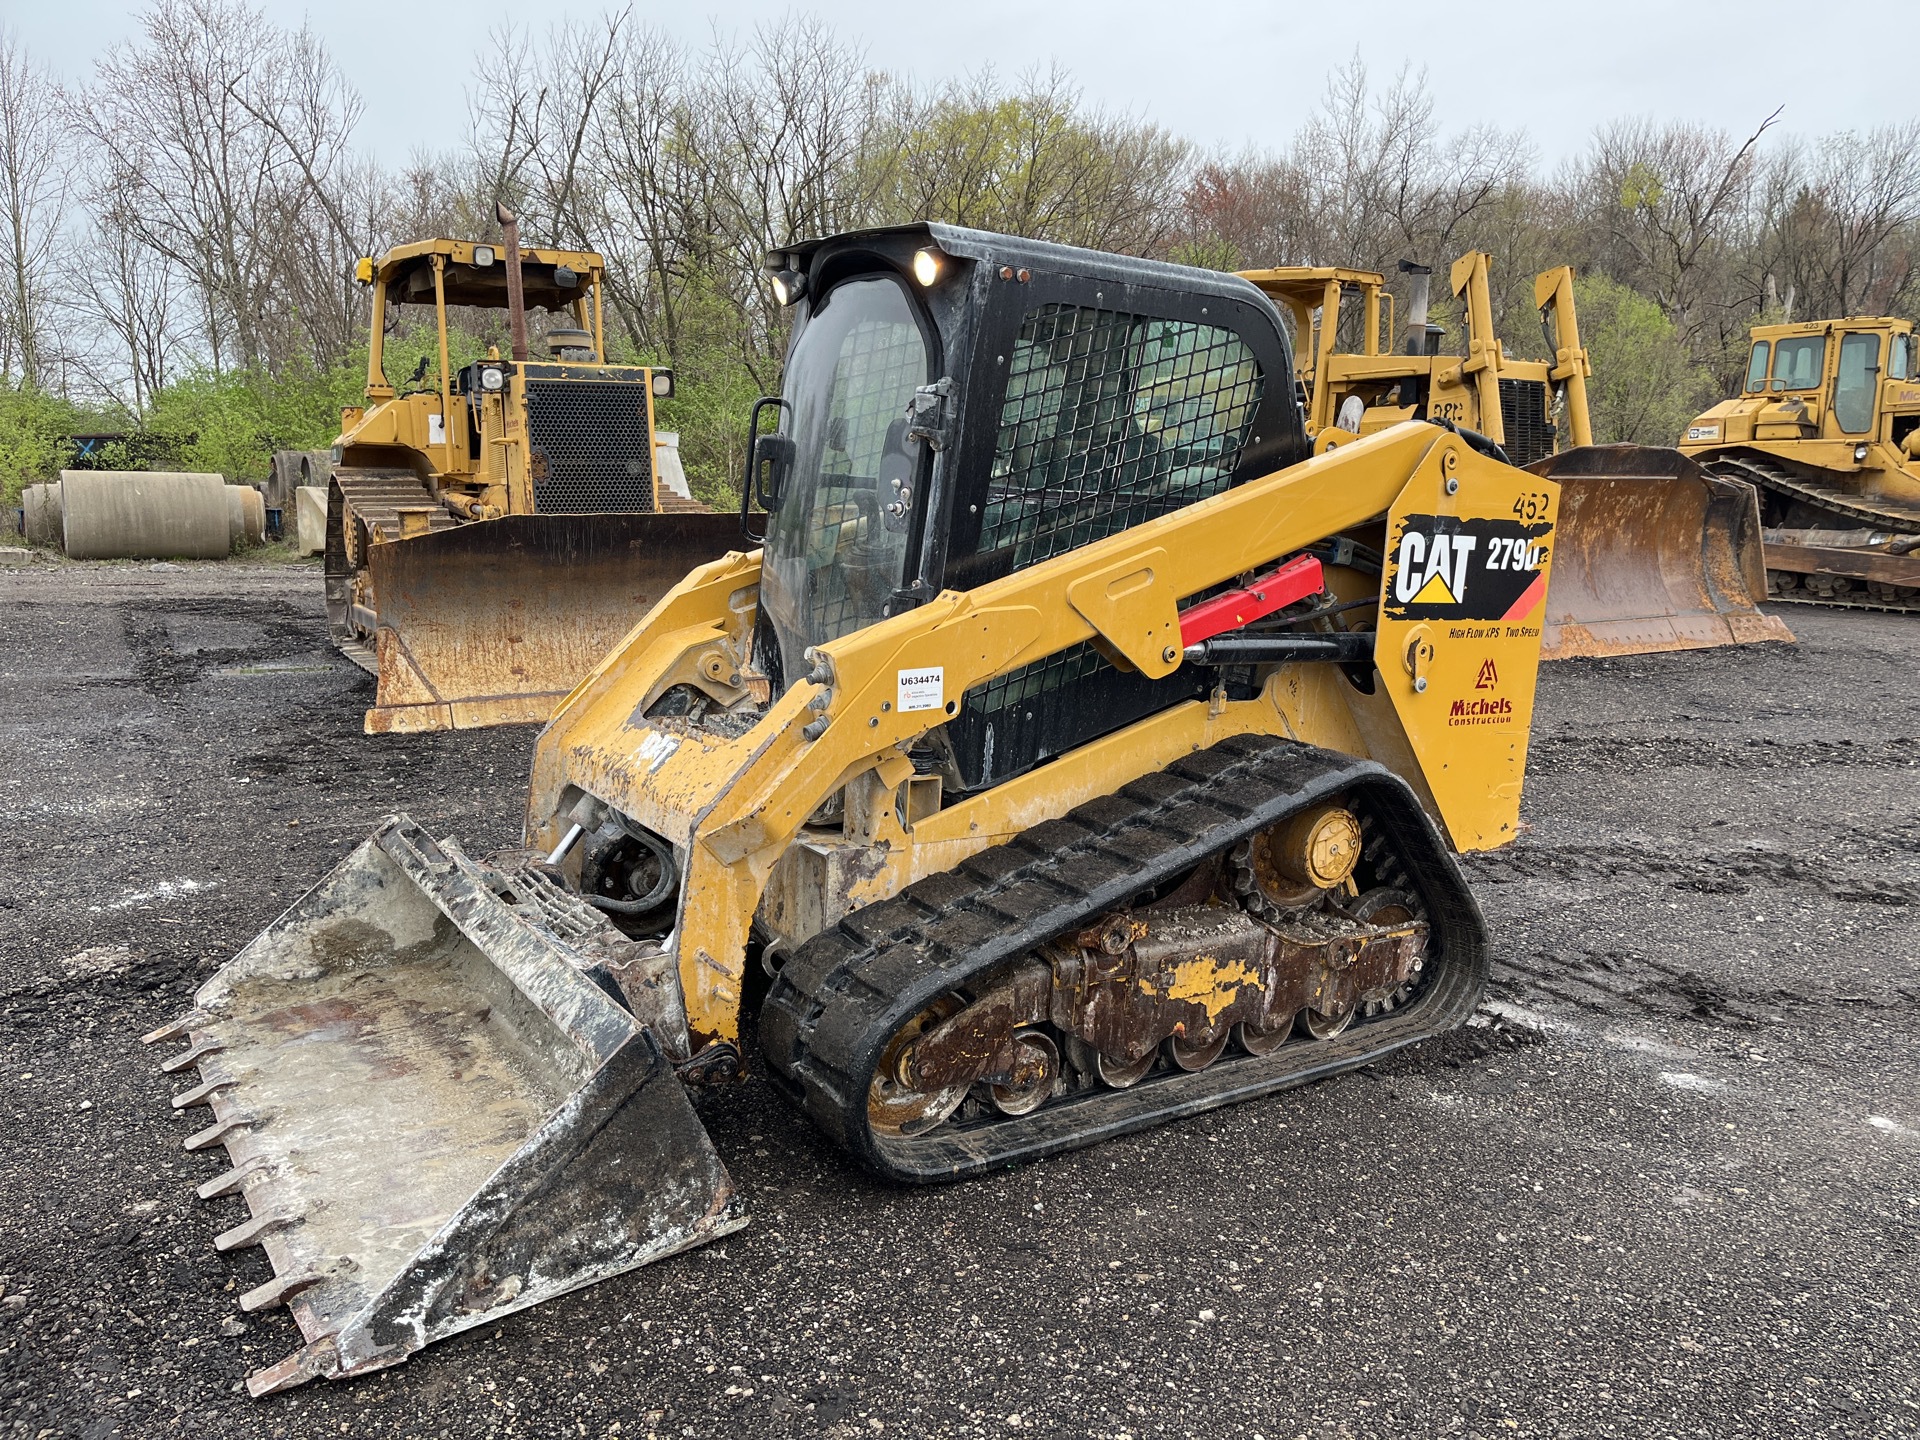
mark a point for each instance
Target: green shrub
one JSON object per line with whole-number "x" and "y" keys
{"x": 1645, "y": 387}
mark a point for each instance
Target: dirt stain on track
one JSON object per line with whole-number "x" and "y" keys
{"x": 1669, "y": 1188}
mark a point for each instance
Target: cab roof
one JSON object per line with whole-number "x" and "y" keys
{"x": 1306, "y": 285}
{"x": 407, "y": 270}
{"x": 1822, "y": 327}
{"x": 990, "y": 247}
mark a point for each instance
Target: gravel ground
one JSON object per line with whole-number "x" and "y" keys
{"x": 1671, "y": 1187}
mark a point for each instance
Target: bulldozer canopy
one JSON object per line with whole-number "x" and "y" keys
{"x": 407, "y": 271}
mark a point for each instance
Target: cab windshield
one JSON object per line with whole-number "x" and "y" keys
{"x": 1799, "y": 363}
{"x": 834, "y": 554}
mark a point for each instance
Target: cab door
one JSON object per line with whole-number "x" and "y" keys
{"x": 1856, "y": 384}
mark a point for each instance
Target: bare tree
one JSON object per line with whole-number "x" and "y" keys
{"x": 131, "y": 295}
{"x": 223, "y": 143}
{"x": 1671, "y": 201}
{"x": 35, "y": 186}
{"x": 1840, "y": 218}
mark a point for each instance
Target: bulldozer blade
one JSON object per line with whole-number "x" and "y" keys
{"x": 1654, "y": 555}
{"x": 435, "y": 1114}
{"x": 494, "y": 622}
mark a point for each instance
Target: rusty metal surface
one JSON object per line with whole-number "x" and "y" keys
{"x": 435, "y": 1116}
{"x": 493, "y": 622}
{"x": 1854, "y": 562}
{"x": 1138, "y": 978}
{"x": 1654, "y": 555}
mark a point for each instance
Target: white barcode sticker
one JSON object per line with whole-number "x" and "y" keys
{"x": 923, "y": 689}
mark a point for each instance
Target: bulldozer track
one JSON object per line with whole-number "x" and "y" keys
{"x": 373, "y": 499}
{"x": 847, "y": 992}
{"x": 376, "y": 498}
{"x": 1780, "y": 481}
{"x": 1777, "y": 480}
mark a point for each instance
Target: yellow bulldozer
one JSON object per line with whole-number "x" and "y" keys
{"x": 492, "y": 534}
{"x": 1655, "y": 554}
{"x": 1827, "y": 430}
{"x": 1080, "y": 751}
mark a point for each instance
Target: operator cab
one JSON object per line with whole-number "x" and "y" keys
{"x": 958, "y": 405}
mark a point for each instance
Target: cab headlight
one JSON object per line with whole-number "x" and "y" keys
{"x": 927, "y": 266}
{"x": 789, "y": 286}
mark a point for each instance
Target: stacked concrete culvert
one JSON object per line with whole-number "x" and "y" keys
{"x": 144, "y": 515}
{"x": 40, "y": 509}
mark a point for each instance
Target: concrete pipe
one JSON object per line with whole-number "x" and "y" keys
{"x": 144, "y": 515}
{"x": 246, "y": 517}
{"x": 666, "y": 456}
{"x": 40, "y": 506}
{"x": 310, "y": 519}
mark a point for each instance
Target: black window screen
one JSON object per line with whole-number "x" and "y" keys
{"x": 1109, "y": 421}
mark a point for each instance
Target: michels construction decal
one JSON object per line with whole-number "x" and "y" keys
{"x": 1446, "y": 567}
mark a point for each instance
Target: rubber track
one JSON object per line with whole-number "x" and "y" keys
{"x": 847, "y": 991}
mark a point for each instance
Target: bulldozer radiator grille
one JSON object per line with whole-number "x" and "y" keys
{"x": 1529, "y": 424}
{"x": 589, "y": 447}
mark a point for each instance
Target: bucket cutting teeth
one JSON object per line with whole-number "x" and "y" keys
{"x": 185, "y": 1058}
{"x": 434, "y": 1115}
{"x": 218, "y": 1133}
{"x": 277, "y": 1291}
{"x": 173, "y": 1030}
{"x": 250, "y": 1233}
{"x": 203, "y": 1093}
{"x": 227, "y": 1182}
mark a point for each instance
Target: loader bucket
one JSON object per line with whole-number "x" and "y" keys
{"x": 435, "y": 1115}
{"x": 1654, "y": 554}
{"x": 493, "y": 622}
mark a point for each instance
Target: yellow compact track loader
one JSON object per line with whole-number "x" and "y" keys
{"x": 1079, "y": 752}
{"x": 1655, "y": 554}
{"x": 491, "y": 537}
{"x": 1827, "y": 430}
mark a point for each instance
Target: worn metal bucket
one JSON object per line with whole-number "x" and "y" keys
{"x": 435, "y": 1114}
{"x": 1654, "y": 554}
{"x": 494, "y": 622}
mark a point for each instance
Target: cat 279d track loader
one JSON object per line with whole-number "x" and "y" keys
{"x": 490, "y": 537}
{"x": 1655, "y": 553}
{"x": 1827, "y": 430}
{"x": 1079, "y": 753}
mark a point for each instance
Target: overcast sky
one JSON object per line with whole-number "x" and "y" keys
{"x": 1223, "y": 72}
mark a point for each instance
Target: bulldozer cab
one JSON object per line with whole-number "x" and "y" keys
{"x": 1844, "y": 382}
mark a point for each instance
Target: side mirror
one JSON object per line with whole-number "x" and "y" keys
{"x": 757, "y": 483}
{"x": 772, "y": 459}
